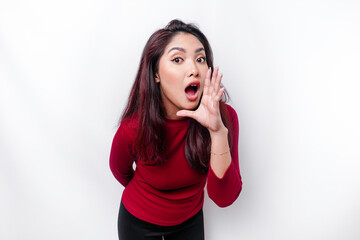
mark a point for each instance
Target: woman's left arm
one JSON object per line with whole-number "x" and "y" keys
{"x": 224, "y": 189}
{"x": 224, "y": 180}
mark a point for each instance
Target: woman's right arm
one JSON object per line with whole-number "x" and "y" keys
{"x": 121, "y": 157}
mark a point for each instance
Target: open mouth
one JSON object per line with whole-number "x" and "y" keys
{"x": 192, "y": 90}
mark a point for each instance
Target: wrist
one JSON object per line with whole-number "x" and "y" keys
{"x": 220, "y": 132}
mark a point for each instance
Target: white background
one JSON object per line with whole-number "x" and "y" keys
{"x": 292, "y": 71}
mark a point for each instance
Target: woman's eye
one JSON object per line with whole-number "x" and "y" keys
{"x": 201, "y": 59}
{"x": 177, "y": 60}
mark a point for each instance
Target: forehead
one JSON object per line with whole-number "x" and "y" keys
{"x": 184, "y": 40}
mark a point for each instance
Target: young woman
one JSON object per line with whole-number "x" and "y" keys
{"x": 180, "y": 134}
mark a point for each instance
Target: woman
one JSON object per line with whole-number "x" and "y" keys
{"x": 180, "y": 134}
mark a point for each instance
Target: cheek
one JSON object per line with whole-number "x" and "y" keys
{"x": 171, "y": 77}
{"x": 203, "y": 76}
{"x": 164, "y": 69}
{"x": 203, "y": 70}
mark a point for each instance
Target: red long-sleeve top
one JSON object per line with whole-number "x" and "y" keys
{"x": 170, "y": 193}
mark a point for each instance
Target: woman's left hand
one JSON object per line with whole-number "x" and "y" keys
{"x": 208, "y": 113}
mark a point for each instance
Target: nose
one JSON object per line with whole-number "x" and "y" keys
{"x": 193, "y": 70}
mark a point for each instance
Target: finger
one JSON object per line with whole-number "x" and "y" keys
{"x": 213, "y": 80}
{"x": 219, "y": 94}
{"x": 186, "y": 113}
{"x": 214, "y": 75}
{"x": 207, "y": 82}
{"x": 217, "y": 84}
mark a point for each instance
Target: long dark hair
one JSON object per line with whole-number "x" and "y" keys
{"x": 145, "y": 102}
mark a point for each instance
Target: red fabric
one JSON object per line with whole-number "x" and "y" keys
{"x": 170, "y": 193}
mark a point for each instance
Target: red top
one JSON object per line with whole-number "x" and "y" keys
{"x": 170, "y": 193}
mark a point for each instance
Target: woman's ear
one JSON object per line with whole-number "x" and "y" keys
{"x": 157, "y": 78}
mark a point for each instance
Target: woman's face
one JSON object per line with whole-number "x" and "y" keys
{"x": 181, "y": 75}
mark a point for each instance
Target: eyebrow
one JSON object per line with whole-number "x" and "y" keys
{"x": 183, "y": 50}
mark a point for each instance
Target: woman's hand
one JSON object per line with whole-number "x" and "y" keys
{"x": 208, "y": 113}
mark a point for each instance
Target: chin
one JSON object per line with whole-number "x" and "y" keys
{"x": 192, "y": 105}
